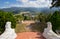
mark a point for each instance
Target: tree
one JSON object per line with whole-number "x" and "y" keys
{"x": 48, "y": 17}
{"x": 55, "y": 20}
{"x": 27, "y": 18}
{"x": 42, "y": 17}
{"x": 4, "y": 17}
{"x": 19, "y": 17}
{"x": 55, "y": 3}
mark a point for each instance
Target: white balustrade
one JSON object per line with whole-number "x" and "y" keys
{"x": 9, "y": 33}
{"x": 48, "y": 32}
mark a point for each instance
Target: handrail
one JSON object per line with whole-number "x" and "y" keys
{"x": 48, "y": 32}
{"x": 9, "y": 33}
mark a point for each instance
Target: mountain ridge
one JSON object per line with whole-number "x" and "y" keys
{"x": 30, "y": 9}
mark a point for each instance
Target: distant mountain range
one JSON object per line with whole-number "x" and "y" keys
{"x": 30, "y": 9}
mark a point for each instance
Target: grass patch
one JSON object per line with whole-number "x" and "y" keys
{"x": 20, "y": 28}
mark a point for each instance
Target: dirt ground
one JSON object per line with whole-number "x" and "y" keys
{"x": 30, "y": 34}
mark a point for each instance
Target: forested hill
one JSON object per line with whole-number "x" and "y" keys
{"x": 30, "y": 9}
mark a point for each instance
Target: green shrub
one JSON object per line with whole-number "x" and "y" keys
{"x": 4, "y": 17}
{"x": 42, "y": 17}
{"x": 27, "y": 18}
{"x": 19, "y": 17}
{"x": 48, "y": 17}
{"x": 55, "y": 20}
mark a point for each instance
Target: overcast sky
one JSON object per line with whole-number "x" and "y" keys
{"x": 25, "y": 3}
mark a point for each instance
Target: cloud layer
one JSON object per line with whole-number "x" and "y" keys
{"x": 36, "y": 3}
{"x": 26, "y": 3}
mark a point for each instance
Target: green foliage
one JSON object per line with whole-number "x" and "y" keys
{"x": 4, "y": 17}
{"x": 36, "y": 17}
{"x": 22, "y": 17}
{"x": 55, "y": 20}
{"x": 27, "y": 18}
{"x": 48, "y": 17}
{"x": 19, "y": 17}
{"x": 42, "y": 17}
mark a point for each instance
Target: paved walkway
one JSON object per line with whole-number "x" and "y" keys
{"x": 29, "y": 35}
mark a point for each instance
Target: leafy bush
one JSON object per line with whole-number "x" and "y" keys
{"x": 48, "y": 17}
{"x": 4, "y": 17}
{"x": 19, "y": 17}
{"x": 42, "y": 17}
{"x": 27, "y": 18}
{"x": 55, "y": 20}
